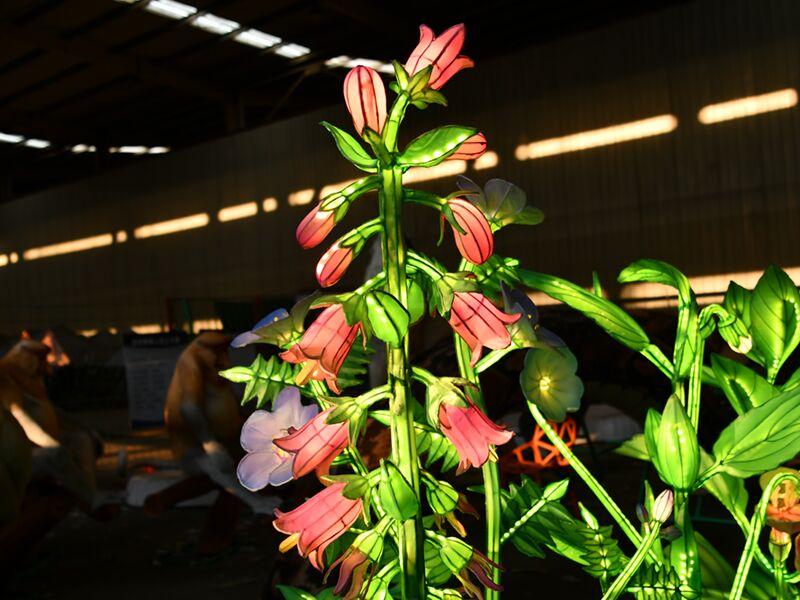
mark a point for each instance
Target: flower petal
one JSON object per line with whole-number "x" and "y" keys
{"x": 254, "y": 470}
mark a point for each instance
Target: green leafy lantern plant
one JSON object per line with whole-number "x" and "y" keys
{"x": 393, "y": 532}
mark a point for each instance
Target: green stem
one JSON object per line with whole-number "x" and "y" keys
{"x": 491, "y": 473}
{"x": 393, "y": 123}
{"x": 683, "y": 551}
{"x": 404, "y": 447}
{"x": 751, "y": 545}
{"x": 780, "y": 584}
{"x": 607, "y": 501}
{"x": 622, "y": 580}
{"x": 695, "y": 384}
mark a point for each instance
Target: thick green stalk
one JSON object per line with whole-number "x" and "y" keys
{"x": 607, "y": 501}
{"x": 404, "y": 446}
{"x": 491, "y": 473}
{"x": 684, "y": 555}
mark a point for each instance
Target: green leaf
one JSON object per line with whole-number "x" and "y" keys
{"x": 355, "y": 367}
{"x": 635, "y": 447}
{"x": 660, "y": 581}
{"x": 792, "y": 382}
{"x": 687, "y": 337}
{"x": 601, "y": 556}
{"x": 762, "y": 438}
{"x": 743, "y": 387}
{"x": 775, "y": 319}
{"x": 672, "y": 444}
{"x": 293, "y": 593}
{"x": 434, "y": 146}
{"x": 610, "y": 317}
{"x": 264, "y": 378}
{"x": 351, "y": 149}
{"x": 387, "y": 317}
{"x": 552, "y": 526}
{"x": 729, "y": 490}
{"x": 737, "y": 302}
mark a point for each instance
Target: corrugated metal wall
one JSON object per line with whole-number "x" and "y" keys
{"x": 710, "y": 199}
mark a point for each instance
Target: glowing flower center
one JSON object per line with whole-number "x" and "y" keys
{"x": 545, "y": 383}
{"x": 280, "y": 452}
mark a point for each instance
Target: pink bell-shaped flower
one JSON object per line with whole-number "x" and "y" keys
{"x": 315, "y": 227}
{"x": 318, "y": 522}
{"x": 323, "y": 347}
{"x": 472, "y": 433}
{"x": 333, "y": 265}
{"x": 441, "y": 52}
{"x": 365, "y": 97}
{"x": 480, "y": 323}
{"x": 315, "y": 444}
{"x": 477, "y": 243}
{"x": 470, "y": 149}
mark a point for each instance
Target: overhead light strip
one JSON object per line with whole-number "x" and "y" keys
{"x": 594, "y": 138}
{"x": 79, "y": 245}
{"x": 217, "y": 25}
{"x": 172, "y": 226}
{"x": 239, "y": 211}
{"x": 748, "y": 106}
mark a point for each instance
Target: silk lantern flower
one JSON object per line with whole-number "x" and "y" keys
{"x": 315, "y": 227}
{"x": 476, "y": 244}
{"x": 265, "y": 463}
{"x": 317, "y": 523}
{"x": 442, "y": 52}
{"x": 315, "y": 444}
{"x": 548, "y": 381}
{"x": 480, "y": 323}
{"x": 365, "y": 97}
{"x": 462, "y": 559}
{"x": 323, "y": 347}
{"x": 333, "y": 264}
{"x": 472, "y": 433}
{"x": 783, "y": 510}
{"x": 357, "y": 561}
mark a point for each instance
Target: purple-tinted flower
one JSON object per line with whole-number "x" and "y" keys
{"x": 266, "y": 464}
{"x": 250, "y": 337}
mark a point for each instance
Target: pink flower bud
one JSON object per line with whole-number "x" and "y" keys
{"x": 662, "y": 506}
{"x": 365, "y": 97}
{"x": 477, "y": 243}
{"x": 470, "y": 149}
{"x": 315, "y": 227}
{"x": 333, "y": 265}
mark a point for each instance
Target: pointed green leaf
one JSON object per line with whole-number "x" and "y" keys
{"x": 775, "y": 318}
{"x": 610, "y": 317}
{"x": 351, "y": 149}
{"x": 397, "y": 497}
{"x": 672, "y": 444}
{"x": 434, "y": 146}
{"x": 743, "y": 387}
{"x": 762, "y": 438}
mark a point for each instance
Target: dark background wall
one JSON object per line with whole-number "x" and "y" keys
{"x": 712, "y": 199}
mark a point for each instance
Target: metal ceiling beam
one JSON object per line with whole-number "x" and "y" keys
{"x": 124, "y": 64}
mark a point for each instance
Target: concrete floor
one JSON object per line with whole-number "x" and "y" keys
{"x": 134, "y": 557}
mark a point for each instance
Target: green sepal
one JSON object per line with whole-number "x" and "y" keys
{"x": 743, "y": 387}
{"x": 444, "y": 389}
{"x": 396, "y": 495}
{"x": 419, "y": 81}
{"x": 442, "y": 497}
{"x": 610, "y": 317}
{"x": 401, "y": 75}
{"x": 775, "y": 319}
{"x": 427, "y": 97}
{"x": 436, "y": 572}
{"x": 348, "y": 409}
{"x": 376, "y": 143}
{"x": 416, "y": 301}
{"x": 388, "y": 319}
{"x": 762, "y": 438}
{"x": 357, "y": 488}
{"x": 350, "y": 148}
{"x": 672, "y": 444}
{"x": 456, "y": 554}
{"x": 432, "y": 147}
{"x": 446, "y": 286}
{"x": 353, "y": 304}
{"x": 349, "y": 193}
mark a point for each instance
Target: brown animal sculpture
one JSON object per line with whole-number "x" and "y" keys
{"x": 64, "y": 451}
{"x": 15, "y": 463}
{"x": 204, "y": 423}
